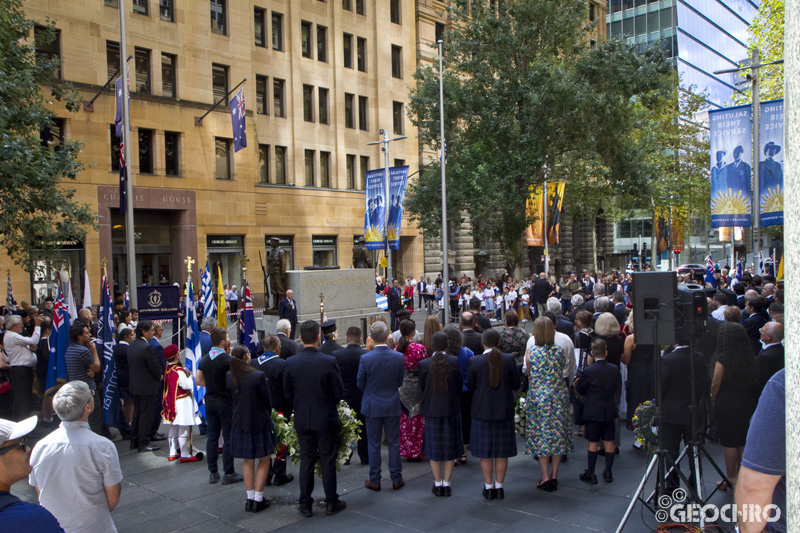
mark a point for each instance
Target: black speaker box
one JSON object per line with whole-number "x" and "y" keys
{"x": 653, "y": 307}
{"x": 691, "y": 312}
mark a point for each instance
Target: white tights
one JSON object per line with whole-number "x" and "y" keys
{"x": 179, "y": 439}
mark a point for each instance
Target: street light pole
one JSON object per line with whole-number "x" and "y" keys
{"x": 126, "y": 148}
{"x": 545, "y": 233}
{"x": 756, "y": 196}
{"x": 443, "y": 152}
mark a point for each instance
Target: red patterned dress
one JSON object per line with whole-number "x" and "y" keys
{"x": 412, "y": 426}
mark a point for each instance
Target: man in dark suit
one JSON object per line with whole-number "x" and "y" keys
{"x": 541, "y": 292}
{"x": 120, "y": 354}
{"x": 422, "y": 290}
{"x": 288, "y": 346}
{"x": 394, "y": 300}
{"x": 312, "y": 383}
{"x": 330, "y": 336}
{"x": 155, "y": 342}
{"x": 271, "y": 364}
{"x": 771, "y": 358}
{"x": 206, "y": 326}
{"x": 288, "y": 309}
{"x": 619, "y": 307}
{"x": 472, "y": 339}
{"x": 563, "y": 324}
{"x": 145, "y": 383}
{"x": 753, "y": 320}
{"x": 483, "y": 322}
{"x": 598, "y": 290}
{"x": 349, "y": 359}
{"x": 380, "y": 374}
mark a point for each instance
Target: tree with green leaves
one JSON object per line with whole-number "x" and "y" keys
{"x": 766, "y": 36}
{"x": 524, "y": 88}
{"x": 36, "y": 210}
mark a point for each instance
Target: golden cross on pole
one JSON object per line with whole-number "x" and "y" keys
{"x": 189, "y": 262}
{"x": 245, "y": 260}
{"x": 103, "y": 266}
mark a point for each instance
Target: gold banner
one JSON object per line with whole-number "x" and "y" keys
{"x": 555, "y": 202}
{"x": 533, "y": 233}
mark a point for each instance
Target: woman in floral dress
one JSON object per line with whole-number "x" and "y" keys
{"x": 513, "y": 339}
{"x": 548, "y": 429}
{"x": 412, "y": 424}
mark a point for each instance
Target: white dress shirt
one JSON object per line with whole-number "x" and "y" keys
{"x": 18, "y": 347}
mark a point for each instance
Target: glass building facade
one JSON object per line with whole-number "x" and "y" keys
{"x": 701, "y": 36}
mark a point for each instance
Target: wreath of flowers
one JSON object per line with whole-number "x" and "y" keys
{"x": 286, "y": 435}
{"x": 644, "y": 427}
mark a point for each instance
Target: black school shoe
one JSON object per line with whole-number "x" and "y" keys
{"x": 588, "y": 478}
{"x": 608, "y": 477}
{"x": 437, "y": 491}
{"x": 489, "y": 494}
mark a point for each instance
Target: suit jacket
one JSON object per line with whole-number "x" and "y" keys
{"x": 601, "y": 386}
{"x": 483, "y": 322}
{"x": 349, "y": 359}
{"x": 288, "y": 346}
{"x": 120, "y": 355}
{"x": 394, "y": 300}
{"x": 440, "y": 404}
{"x": 329, "y": 347}
{"x": 565, "y": 326}
{"x": 312, "y": 383}
{"x": 619, "y": 313}
{"x": 286, "y": 311}
{"x": 541, "y": 291}
{"x": 752, "y": 325}
{"x": 472, "y": 340}
{"x": 159, "y": 353}
{"x": 676, "y": 387}
{"x": 205, "y": 342}
{"x": 769, "y": 361}
{"x": 489, "y": 403}
{"x": 274, "y": 367}
{"x": 145, "y": 371}
{"x": 380, "y": 374}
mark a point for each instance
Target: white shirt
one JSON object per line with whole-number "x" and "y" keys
{"x": 488, "y": 293}
{"x": 478, "y": 294}
{"x": 71, "y": 466}
{"x": 718, "y": 313}
{"x": 18, "y": 347}
{"x": 510, "y": 297}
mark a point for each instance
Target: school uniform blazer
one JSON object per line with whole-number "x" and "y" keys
{"x": 440, "y": 404}
{"x": 312, "y": 383}
{"x": 380, "y": 374}
{"x": 251, "y": 404}
{"x": 601, "y": 386}
{"x": 489, "y": 403}
{"x": 273, "y": 367}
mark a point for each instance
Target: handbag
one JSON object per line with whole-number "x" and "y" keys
{"x": 5, "y": 384}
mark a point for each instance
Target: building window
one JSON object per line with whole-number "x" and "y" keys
{"x": 323, "y": 106}
{"x": 115, "y": 142}
{"x": 142, "y": 71}
{"x": 347, "y": 5}
{"x": 277, "y": 31}
{"x": 171, "y": 153}
{"x": 349, "y": 118}
{"x": 261, "y": 94}
{"x": 592, "y": 43}
{"x": 325, "y": 169}
{"x": 399, "y": 162}
{"x": 280, "y": 165}
{"x": 591, "y": 12}
{"x": 360, "y": 9}
{"x": 394, "y": 9}
{"x": 111, "y": 3}
{"x": 277, "y": 91}
{"x": 140, "y": 6}
{"x": 347, "y": 46}
{"x": 398, "y": 118}
{"x": 323, "y": 250}
{"x": 308, "y": 103}
{"x": 263, "y": 163}
{"x": 305, "y": 37}
{"x": 48, "y": 47}
{"x": 439, "y": 32}
{"x": 258, "y": 25}
{"x": 361, "y": 51}
{"x": 351, "y": 171}
{"x": 166, "y": 10}
{"x": 310, "y": 156}
{"x": 52, "y": 136}
{"x": 168, "y": 85}
{"x": 112, "y": 59}
{"x": 322, "y": 43}
{"x": 219, "y": 81}
{"x": 218, "y": 16}
{"x": 145, "y": 151}
{"x": 397, "y": 62}
{"x": 222, "y": 150}
{"x": 364, "y": 170}
{"x": 363, "y": 113}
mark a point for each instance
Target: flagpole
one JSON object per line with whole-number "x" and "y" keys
{"x": 544, "y": 225}
{"x": 443, "y": 149}
{"x": 126, "y": 141}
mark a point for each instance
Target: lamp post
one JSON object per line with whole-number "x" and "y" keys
{"x": 443, "y": 151}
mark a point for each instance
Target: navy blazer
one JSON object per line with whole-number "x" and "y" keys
{"x": 288, "y": 346}
{"x": 769, "y": 361}
{"x": 285, "y": 311}
{"x": 472, "y": 340}
{"x": 349, "y": 359}
{"x": 274, "y": 367}
{"x": 143, "y": 368}
{"x": 601, "y": 386}
{"x": 440, "y": 404}
{"x": 251, "y": 403}
{"x": 394, "y": 301}
{"x": 312, "y": 383}
{"x": 380, "y": 374}
{"x": 489, "y": 403}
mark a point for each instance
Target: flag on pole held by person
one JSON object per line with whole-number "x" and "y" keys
{"x": 222, "y": 318}
{"x": 112, "y": 405}
{"x": 87, "y": 291}
{"x": 10, "y": 304}
{"x": 71, "y": 307}
{"x": 238, "y": 120}
{"x": 710, "y": 273}
{"x": 59, "y": 339}
{"x": 207, "y": 297}
{"x": 248, "y": 336}
{"x": 194, "y": 350}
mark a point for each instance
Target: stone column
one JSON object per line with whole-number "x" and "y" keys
{"x": 791, "y": 256}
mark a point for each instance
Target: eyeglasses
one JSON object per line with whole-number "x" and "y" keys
{"x": 21, "y": 445}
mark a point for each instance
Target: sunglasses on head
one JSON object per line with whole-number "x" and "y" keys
{"x": 21, "y": 444}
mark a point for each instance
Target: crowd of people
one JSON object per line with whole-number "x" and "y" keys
{"x": 440, "y": 394}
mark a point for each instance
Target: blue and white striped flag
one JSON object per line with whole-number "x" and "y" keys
{"x": 10, "y": 304}
{"x": 194, "y": 350}
{"x": 382, "y": 302}
{"x": 207, "y": 298}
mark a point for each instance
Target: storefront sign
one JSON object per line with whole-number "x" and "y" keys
{"x": 323, "y": 241}
{"x": 225, "y": 241}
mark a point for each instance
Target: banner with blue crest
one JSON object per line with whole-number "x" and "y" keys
{"x": 731, "y": 166}
{"x": 770, "y": 166}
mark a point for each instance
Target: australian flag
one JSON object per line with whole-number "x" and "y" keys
{"x": 194, "y": 351}
{"x": 207, "y": 298}
{"x": 248, "y": 336}
{"x": 112, "y": 406}
{"x": 237, "y": 119}
{"x": 123, "y": 175}
{"x": 59, "y": 339}
{"x": 710, "y": 273}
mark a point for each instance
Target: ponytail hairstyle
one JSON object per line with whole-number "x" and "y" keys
{"x": 239, "y": 367}
{"x": 439, "y": 371}
{"x": 491, "y": 339}
{"x": 407, "y": 328}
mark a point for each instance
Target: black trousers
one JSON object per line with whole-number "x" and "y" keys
{"x": 294, "y": 330}
{"x": 156, "y": 417}
{"x": 96, "y": 418}
{"x": 21, "y": 378}
{"x": 671, "y": 436}
{"x": 143, "y": 411}
{"x": 314, "y": 444}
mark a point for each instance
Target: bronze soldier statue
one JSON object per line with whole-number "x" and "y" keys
{"x": 276, "y": 268}
{"x": 362, "y": 258}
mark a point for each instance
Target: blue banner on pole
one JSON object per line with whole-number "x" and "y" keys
{"x": 771, "y": 163}
{"x": 731, "y": 160}
{"x": 158, "y": 301}
{"x": 398, "y": 180}
{"x": 112, "y": 406}
{"x": 375, "y": 211}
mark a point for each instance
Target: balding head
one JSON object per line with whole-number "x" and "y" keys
{"x": 542, "y": 275}
{"x": 768, "y": 290}
{"x": 751, "y": 294}
{"x": 772, "y": 332}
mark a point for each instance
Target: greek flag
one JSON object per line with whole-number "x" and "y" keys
{"x": 382, "y": 302}
{"x": 194, "y": 351}
{"x": 10, "y": 307}
{"x": 209, "y": 305}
